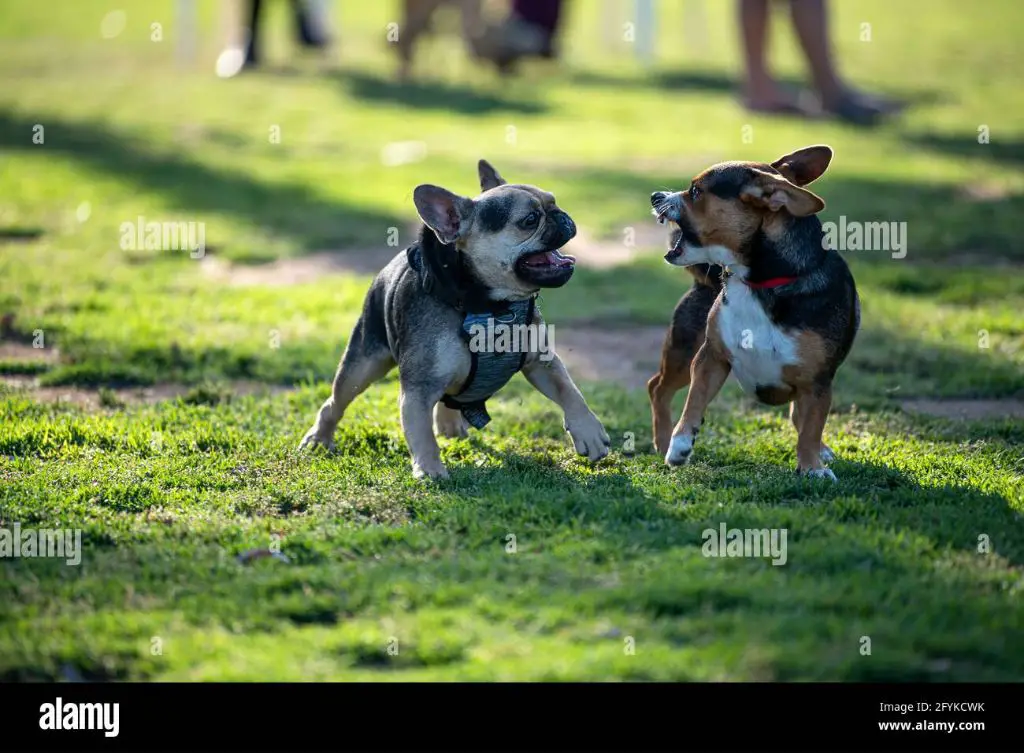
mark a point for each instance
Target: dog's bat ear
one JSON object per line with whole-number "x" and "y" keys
{"x": 489, "y": 177}
{"x": 804, "y": 165}
{"x": 444, "y": 212}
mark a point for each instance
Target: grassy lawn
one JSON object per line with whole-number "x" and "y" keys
{"x": 528, "y": 564}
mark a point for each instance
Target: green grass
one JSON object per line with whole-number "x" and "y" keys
{"x": 919, "y": 548}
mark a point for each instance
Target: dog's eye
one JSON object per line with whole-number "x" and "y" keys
{"x": 530, "y": 220}
{"x": 694, "y": 193}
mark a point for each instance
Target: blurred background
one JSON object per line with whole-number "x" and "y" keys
{"x": 294, "y": 145}
{"x": 296, "y": 131}
{"x": 303, "y": 142}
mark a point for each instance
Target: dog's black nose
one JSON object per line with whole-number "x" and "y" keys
{"x": 658, "y": 197}
{"x": 566, "y": 227}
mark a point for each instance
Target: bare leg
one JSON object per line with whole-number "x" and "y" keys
{"x": 709, "y": 374}
{"x": 810, "y": 21}
{"x": 415, "y": 21}
{"x": 472, "y": 23}
{"x": 761, "y": 90}
{"x": 811, "y": 26}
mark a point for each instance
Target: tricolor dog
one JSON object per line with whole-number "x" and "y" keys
{"x": 782, "y": 319}
{"x": 479, "y": 262}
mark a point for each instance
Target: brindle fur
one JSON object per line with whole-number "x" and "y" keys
{"x": 470, "y": 247}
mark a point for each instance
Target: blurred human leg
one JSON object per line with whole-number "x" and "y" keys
{"x": 762, "y": 93}
{"x": 543, "y": 15}
{"x": 310, "y": 23}
{"x": 252, "y": 56}
{"x": 810, "y": 21}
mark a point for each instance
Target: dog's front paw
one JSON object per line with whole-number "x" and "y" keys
{"x": 316, "y": 438}
{"x": 429, "y": 469}
{"x": 588, "y": 436}
{"x": 819, "y": 473}
{"x": 680, "y": 450}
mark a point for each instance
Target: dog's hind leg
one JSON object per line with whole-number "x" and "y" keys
{"x": 450, "y": 423}
{"x": 827, "y": 454}
{"x": 662, "y": 388}
{"x": 812, "y": 413}
{"x": 363, "y": 363}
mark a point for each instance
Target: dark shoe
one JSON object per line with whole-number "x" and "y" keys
{"x": 252, "y": 60}
{"x": 853, "y": 111}
{"x": 508, "y": 42}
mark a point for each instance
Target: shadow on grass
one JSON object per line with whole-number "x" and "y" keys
{"x": 1001, "y": 150}
{"x": 432, "y": 95}
{"x": 760, "y": 492}
{"x": 707, "y": 81}
{"x": 290, "y": 210}
{"x": 20, "y": 234}
{"x": 875, "y": 527}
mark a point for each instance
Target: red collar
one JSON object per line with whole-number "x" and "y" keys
{"x": 774, "y": 282}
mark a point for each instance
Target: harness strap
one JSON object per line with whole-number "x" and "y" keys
{"x": 489, "y": 370}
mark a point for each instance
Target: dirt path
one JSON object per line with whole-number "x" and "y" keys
{"x": 96, "y": 399}
{"x": 15, "y": 351}
{"x": 590, "y": 253}
{"x": 626, "y": 356}
{"x": 969, "y": 410}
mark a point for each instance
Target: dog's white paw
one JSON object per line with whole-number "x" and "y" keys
{"x": 451, "y": 424}
{"x": 827, "y": 455}
{"x": 428, "y": 470}
{"x": 316, "y": 438}
{"x": 680, "y": 450}
{"x": 820, "y": 473}
{"x": 588, "y": 436}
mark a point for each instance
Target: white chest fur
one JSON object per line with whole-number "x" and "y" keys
{"x": 757, "y": 348}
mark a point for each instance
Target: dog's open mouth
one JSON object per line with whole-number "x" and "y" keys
{"x": 546, "y": 268}
{"x": 548, "y": 259}
{"x": 676, "y": 249}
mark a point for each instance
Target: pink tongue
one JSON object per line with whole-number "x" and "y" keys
{"x": 552, "y": 258}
